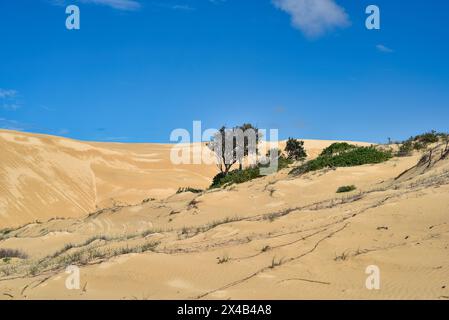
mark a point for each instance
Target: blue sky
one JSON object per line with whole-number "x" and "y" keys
{"x": 137, "y": 69}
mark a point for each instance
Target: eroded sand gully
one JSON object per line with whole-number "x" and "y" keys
{"x": 277, "y": 237}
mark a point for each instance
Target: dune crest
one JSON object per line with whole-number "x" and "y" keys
{"x": 44, "y": 177}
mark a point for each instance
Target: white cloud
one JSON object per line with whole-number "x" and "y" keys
{"x": 8, "y": 99}
{"x": 384, "y": 49}
{"x": 182, "y": 7}
{"x": 314, "y": 17}
{"x": 116, "y": 4}
{"x": 7, "y": 93}
{"x": 10, "y": 106}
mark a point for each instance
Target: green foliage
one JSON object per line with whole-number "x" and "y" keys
{"x": 345, "y": 189}
{"x": 405, "y": 149}
{"x": 235, "y": 176}
{"x": 420, "y": 142}
{"x": 337, "y": 148}
{"x": 188, "y": 189}
{"x": 248, "y": 174}
{"x": 428, "y": 137}
{"x": 283, "y": 161}
{"x": 295, "y": 149}
{"x": 354, "y": 156}
{"x": 419, "y": 146}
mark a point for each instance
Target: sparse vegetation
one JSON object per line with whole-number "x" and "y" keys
{"x": 276, "y": 262}
{"x": 428, "y": 137}
{"x": 188, "y": 189}
{"x": 85, "y": 256}
{"x": 421, "y": 142}
{"x": 148, "y": 200}
{"x": 405, "y": 149}
{"x": 340, "y": 155}
{"x": 12, "y": 253}
{"x": 193, "y": 231}
{"x": 272, "y": 216}
{"x": 283, "y": 161}
{"x": 223, "y": 259}
{"x": 343, "y": 257}
{"x": 345, "y": 189}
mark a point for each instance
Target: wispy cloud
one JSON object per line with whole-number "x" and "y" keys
{"x": 217, "y": 1}
{"x": 126, "y": 5}
{"x": 314, "y": 17}
{"x": 171, "y": 5}
{"x": 8, "y": 99}
{"x": 384, "y": 49}
{"x": 182, "y": 7}
{"x": 10, "y": 125}
{"x": 7, "y": 93}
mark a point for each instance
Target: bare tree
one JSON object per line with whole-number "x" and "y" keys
{"x": 231, "y": 146}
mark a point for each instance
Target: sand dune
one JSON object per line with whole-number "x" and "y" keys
{"x": 43, "y": 177}
{"x": 277, "y": 237}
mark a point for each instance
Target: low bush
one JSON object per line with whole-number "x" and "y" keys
{"x": 353, "y": 156}
{"x": 420, "y": 142}
{"x": 337, "y": 148}
{"x": 405, "y": 149}
{"x": 428, "y": 137}
{"x": 189, "y": 189}
{"x": 283, "y": 161}
{"x": 12, "y": 253}
{"x": 345, "y": 189}
{"x": 235, "y": 176}
{"x": 248, "y": 174}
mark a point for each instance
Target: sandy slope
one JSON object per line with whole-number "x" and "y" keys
{"x": 43, "y": 177}
{"x": 276, "y": 237}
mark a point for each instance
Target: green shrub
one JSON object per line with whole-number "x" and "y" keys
{"x": 419, "y": 146}
{"x": 344, "y": 189}
{"x": 354, "y": 156}
{"x": 337, "y": 148}
{"x": 188, "y": 189}
{"x": 420, "y": 142}
{"x": 428, "y": 137}
{"x": 405, "y": 149}
{"x": 283, "y": 161}
{"x": 244, "y": 175}
{"x": 295, "y": 149}
{"x": 235, "y": 176}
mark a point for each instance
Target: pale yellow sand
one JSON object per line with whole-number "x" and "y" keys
{"x": 279, "y": 237}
